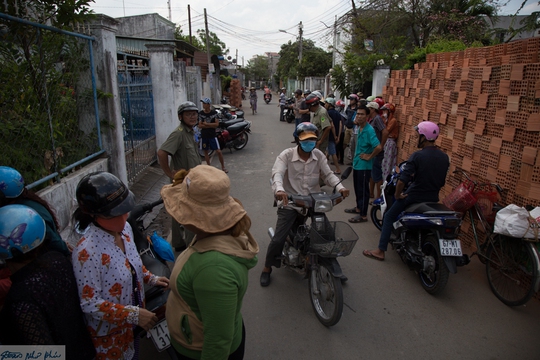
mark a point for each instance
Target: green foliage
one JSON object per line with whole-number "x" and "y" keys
{"x": 217, "y": 47}
{"x": 46, "y": 97}
{"x": 438, "y": 46}
{"x": 178, "y": 34}
{"x": 258, "y": 68}
{"x": 225, "y": 82}
{"x": 315, "y": 61}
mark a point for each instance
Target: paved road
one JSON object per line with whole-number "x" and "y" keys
{"x": 387, "y": 314}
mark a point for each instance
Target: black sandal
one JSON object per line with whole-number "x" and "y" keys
{"x": 352, "y": 211}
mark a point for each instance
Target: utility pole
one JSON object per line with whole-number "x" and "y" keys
{"x": 189, "y": 21}
{"x": 236, "y": 61}
{"x": 169, "y": 6}
{"x": 300, "y": 42}
{"x": 210, "y": 77}
{"x": 335, "y": 43}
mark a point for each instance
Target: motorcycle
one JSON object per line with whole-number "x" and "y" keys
{"x": 156, "y": 297}
{"x": 233, "y": 135}
{"x": 288, "y": 112}
{"x": 267, "y": 98}
{"x": 424, "y": 236}
{"x": 312, "y": 248}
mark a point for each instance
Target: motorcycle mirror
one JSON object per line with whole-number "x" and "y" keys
{"x": 346, "y": 173}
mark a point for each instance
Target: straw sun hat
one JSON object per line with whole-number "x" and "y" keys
{"x": 203, "y": 200}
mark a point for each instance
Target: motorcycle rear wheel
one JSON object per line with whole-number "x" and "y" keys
{"x": 290, "y": 118}
{"x": 436, "y": 281}
{"x": 241, "y": 142}
{"x": 511, "y": 270}
{"x": 326, "y": 294}
{"x": 201, "y": 152}
{"x": 376, "y": 216}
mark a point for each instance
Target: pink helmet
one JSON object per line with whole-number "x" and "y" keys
{"x": 429, "y": 129}
{"x": 379, "y": 101}
{"x": 354, "y": 97}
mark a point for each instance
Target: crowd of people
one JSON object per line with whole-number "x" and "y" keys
{"x": 90, "y": 298}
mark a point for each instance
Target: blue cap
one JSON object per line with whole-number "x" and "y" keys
{"x": 206, "y": 101}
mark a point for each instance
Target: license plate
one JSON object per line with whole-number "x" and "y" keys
{"x": 160, "y": 335}
{"x": 450, "y": 247}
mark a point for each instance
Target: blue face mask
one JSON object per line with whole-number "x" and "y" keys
{"x": 307, "y": 145}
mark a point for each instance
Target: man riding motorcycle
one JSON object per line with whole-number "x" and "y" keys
{"x": 425, "y": 170}
{"x": 296, "y": 171}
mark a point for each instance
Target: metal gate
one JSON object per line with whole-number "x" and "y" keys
{"x": 137, "y": 105}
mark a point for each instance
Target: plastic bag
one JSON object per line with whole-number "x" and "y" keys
{"x": 162, "y": 247}
{"x": 516, "y": 222}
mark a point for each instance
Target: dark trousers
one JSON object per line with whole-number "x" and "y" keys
{"x": 339, "y": 148}
{"x": 238, "y": 354}
{"x": 297, "y": 122}
{"x": 361, "y": 190}
{"x": 285, "y": 221}
{"x": 390, "y": 216}
{"x": 282, "y": 107}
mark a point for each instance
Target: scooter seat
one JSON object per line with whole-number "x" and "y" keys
{"x": 429, "y": 208}
{"x": 229, "y": 123}
{"x": 237, "y": 127}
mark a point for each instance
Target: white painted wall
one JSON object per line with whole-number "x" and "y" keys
{"x": 380, "y": 77}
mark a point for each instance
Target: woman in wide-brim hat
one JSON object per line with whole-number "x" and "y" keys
{"x": 209, "y": 279}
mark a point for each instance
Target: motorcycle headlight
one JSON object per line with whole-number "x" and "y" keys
{"x": 323, "y": 205}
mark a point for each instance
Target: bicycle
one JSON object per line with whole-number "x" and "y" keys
{"x": 512, "y": 264}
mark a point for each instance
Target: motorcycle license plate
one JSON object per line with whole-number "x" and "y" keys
{"x": 450, "y": 247}
{"x": 160, "y": 335}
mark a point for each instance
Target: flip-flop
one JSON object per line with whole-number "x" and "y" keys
{"x": 357, "y": 219}
{"x": 225, "y": 171}
{"x": 370, "y": 255}
{"x": 351, "y": 211}
{"x": 337, "y": 172}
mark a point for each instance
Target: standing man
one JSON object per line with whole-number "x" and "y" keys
{"x": 429, "y": 166}
{"x": 349, "y": 124}
{"x": 334, "y": 136}
{"x": 181, "y": 146}
{"x": 208, "y": 122}
{"x": 382, "y": 134}
{"x": 296, "y": 171}
{"x": 367, "y": 147}
{"x": 297, "y": 107}
{"x": 320, "y": 120}
{"x": 282, "y": 102}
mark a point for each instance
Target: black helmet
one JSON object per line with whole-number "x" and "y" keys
{"x": 298, "y": 92}
{"x": 307, "y": 92}
{"x": 102, "y": 193}
{"x": 312, "y": 99}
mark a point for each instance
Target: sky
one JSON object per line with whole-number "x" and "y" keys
{"x": 253, "y": 26}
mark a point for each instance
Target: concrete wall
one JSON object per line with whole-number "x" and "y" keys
{"x": 179, "y": 84}
{"x": 149, "y": 26}
{"x": 61, "y": 196}
{"x": 380, "y": 77}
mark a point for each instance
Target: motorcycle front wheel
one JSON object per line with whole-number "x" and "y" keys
{"x": 290, "y": 118}
{"x": 326, "y": 294}
{"x": 376, "y": 216}
{"x": 436, "y": 280}
{"x": 241, "y": 141}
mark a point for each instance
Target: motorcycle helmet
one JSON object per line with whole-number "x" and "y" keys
{"x": 21, "y": 228}
{"x": 307, "y": 130}
{"x": 298, "y": 92}
{"x": 312, "y": 99}
{"x": 331, "y": 101}
{"x": 187, "y": 106}
{"x": 380, "y": 102}
{"x": 102, "y": 193}
{"x": 429, "y": 129}
{"x": 370, "y": 98}
{"x": 11, "y": 182}
{"x": 307, "y": 92}
{"x": 340, "y": 103}
{"x": 318, "y": 93}
{"x": 353, "y": 97}
{"x": 390, "y": 107}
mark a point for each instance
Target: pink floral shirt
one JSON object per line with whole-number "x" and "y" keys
{"x": 104, "y": 279}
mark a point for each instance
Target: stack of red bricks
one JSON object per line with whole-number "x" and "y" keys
{"x": 235, "y": 93}
{"x": 487, "y": 104}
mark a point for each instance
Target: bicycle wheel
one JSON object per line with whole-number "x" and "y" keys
{"x": 436, "y": 278}
{"x": 326, "y": 294}
{"x": 376, "y": 216}
{"x": 512, "y": 270}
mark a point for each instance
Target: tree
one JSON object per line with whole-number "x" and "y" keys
{"x": 194, "y": 40}
{"x": 315, "y": 61}
{"x": 217, "y": 47}
{"x": 257, "y": 68}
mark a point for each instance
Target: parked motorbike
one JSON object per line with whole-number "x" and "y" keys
{"x": 288, "y": 112}
{"x": 156, "y": 297}
{"x": 424, "y": 236}
{"x": 312, "y": 249}
{"x": 233, "y": 135}
{"x": 267, "y": 98}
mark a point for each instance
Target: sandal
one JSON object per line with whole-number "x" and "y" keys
{"x": 225, "y": 171}
{"x": 352, "y": 211}
{"x": 369, "y": 254}
{"x": 357, "y": 219}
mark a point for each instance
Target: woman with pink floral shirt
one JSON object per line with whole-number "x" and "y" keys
{"x": 108, "y": 268}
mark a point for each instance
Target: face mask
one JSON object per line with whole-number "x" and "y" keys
{"x": 115, "y": 224}
{"x": 385, "y": 115}
{"x": 307, "y": 146}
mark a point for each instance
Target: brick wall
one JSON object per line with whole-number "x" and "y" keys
{"x": 487, "y": 104}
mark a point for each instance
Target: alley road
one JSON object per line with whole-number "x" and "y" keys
{"x": 387, "y": 314}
